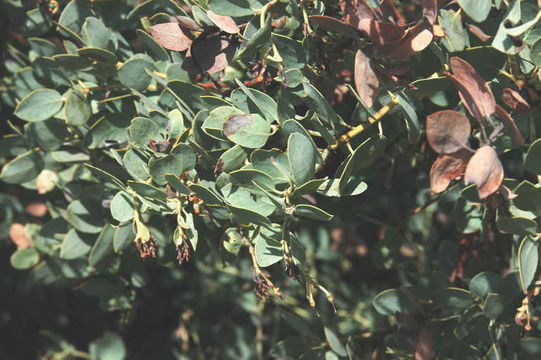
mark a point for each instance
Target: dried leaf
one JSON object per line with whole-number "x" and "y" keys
{"x": 209, "y": 55}
{"x": 187, "y": 23}
{"x": 382, "y": 33}
{"x": 510, "y": 125}
{"x": 170, "y": 36}
{"x": 485, "y": 171}
{"x": 430, "y": 10}
{"x": 17, "y": 234}
{"x": 225, "y": 23}
{"x": 417, "y": 39}
{"x": 366, "y": 79}
{"x": 447, "y": 131}
{"x": 478, "y": 33}
{"x": 515, "y": 101}
{"x": 356, "y": 11}
{"x": 446, "y": 168}
{"x": 473, "y": 89}
{"x": 424, "y": 349}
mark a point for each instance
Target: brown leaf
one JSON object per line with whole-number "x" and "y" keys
{"x": 355, "y": 11}
{"x": 233, "y": 123}
{"x": 209, "y": 55}
{"x": 334, "y": 25}
{"x": 510, "y": 125}
{"x": 485, "y": 171}
{"x": 430, "y": 10}
{"x": 225, "y": 23}
{"x": 424, "y": 349}
{"x": 382, "y": 33}
{"x": 366, "y": 79}
{"x": 170, "y": 36}
{"x": 472, "y": 89}
{"x": 447, "y": 131}
{"x": 187, "y": 23}
{"x": 446, "y": 168}
{"x": 480, "y": 34}
{"x": 17, "y": 234}
{"x": 417, "y": 39}
{"x": 515, "y": 101}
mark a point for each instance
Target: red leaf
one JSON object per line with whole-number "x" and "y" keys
{"x": 355, "y": 11}
{"x": 417, "y": 39}
{"x": 473, "y": 89}
{"x": 510, "y": 125}
{"x": 480, "y": 34}
{"x": 446, "y": 168}
{"x": 430, "y": 10}
{"x": 170, "y": 36}
{"x": 424, "y": 349}
{"x": 485, "y": 171}
{"x": 209, "y": 55}
{"x": 515, "y": 101}
{"x": 187, "y": 23}
{"x": 366, "y": 79}
{"x": 447, "y": 131}
{"x": 225, "y": 23}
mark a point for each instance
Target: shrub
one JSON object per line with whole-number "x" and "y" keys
{"x": 286, "y": 179}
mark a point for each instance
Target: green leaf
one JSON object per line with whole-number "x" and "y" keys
{"x": 485, "y": 282}
{"x": 75, "y": 245}
{"x": 147, "y": 190}
{"x": 477, "y": 10}
{"x": 302, "y": 158}
{"x": 136, "y": 165}
{"x": 517, "y": 225}
{"x": 248, "y": 130}
{"x": 23, "y": 168}
{"x": 77, "y": 109}
{"x": 96, "y": 34}
{"x": 255, "y": 101}
{"x": 122, "y": 207}
{"x": 214, "y": 123}
{"x": 85, "y": 216}
{"x": 39, "y": 105}
{"x": 232, "y": 159}
{"x": 331, "y": 187}
{"x": 103, "y": 247}
{"x": 109, "y": 346}
{"x": 532, "y": 163}
{"x": 334, "y": 342}
{"x": 312, "y": 212}
{"x": 235, "y": 8}
{"x": 527, "y": 262}
{"x": 454, "y": 299}
{"x": 250, "y": 177}
{"x": 268, "y": 247}
{"x": 182, "y": 158}
{"x": 23, "y": 259}
{"x": 493, "y": 306}
{"x": 363, "y": 156}
{"x": 123, "y": 237}
{"x": 242, "y": 216}
{"x": 292, "y": 51}
{"x": 318, "y": 104}
{"x": 133, "y": 73}
{"x": 528, "y": 196}
{"x": 142, "y": 130}
{"x": 393, "y": 301}
{"x": 49, "y": 134}
{"x": 74, "y": 14}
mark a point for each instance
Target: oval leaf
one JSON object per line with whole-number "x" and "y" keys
{"x": 485, "y": 171}
{"x": 447, "y": 131}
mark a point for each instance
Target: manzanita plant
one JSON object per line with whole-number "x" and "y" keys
{"x": 300, "y": 179}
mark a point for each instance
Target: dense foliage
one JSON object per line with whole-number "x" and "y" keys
{"x": 253, "y": 179}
